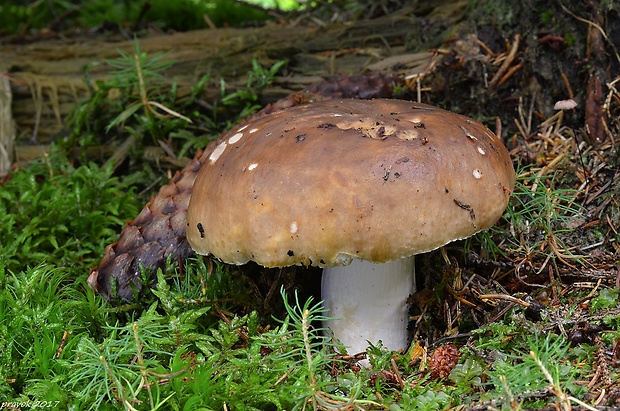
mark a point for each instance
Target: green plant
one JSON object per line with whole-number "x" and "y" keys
{"x": 519, "y": 375}
{"x": 53, "y": 212}
{"x": 125, "y": 367}
{"x": 137, "y": 75}
{"x": 190, "y": 14}
{"x": 34, "y": 14}
{"x": 247, "y": 98}
{"x": 285, "y": 5}
{"x": 304, "y": 353}
{"x": 606, "y": 298}
{"x": 426, "y": 401}
{"x": 547, "y": 16}
{"x": 94, "y": 13}
{"x": 180, "y": 15}
{"x": 467, "y": 374}
{"x": 301, "y": 349}
{"x": 165, "y": 356}
{"x": 555, "y": 388}
{"x": 135, "y": 98}
{"x": 539, "y": 217}
{"x": 32, "y": 324}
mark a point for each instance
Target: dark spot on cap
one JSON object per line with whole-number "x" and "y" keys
{"x": 322, "y": 261}
{"x": 300, "y": 138}
{"x": 201, "y": 230}
{"x": 419, "y": 125}
{"x": 326, "y": 125}
{"x": 466, "y": 207}
{"x": 290, "y": 253}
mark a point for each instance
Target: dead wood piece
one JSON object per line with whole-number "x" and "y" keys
{"x": 26, "y": 154}
{"x": 7, "y": 125}
{"x": 49, "y": 76}
{"x": 121, "y": 152}
{"x": 596, "y": 116}
{"x": 414, "y": 60}
{"x": 505, "y": 67}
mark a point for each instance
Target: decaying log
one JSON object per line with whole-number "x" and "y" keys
{"x": 7, "y": 126}
{"x": 48, "y": 75}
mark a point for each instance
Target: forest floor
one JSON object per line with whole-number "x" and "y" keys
{"x": 552, "y": 264}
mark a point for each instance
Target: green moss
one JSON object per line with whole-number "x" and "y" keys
{"x": 180, "y": 15}
{"x": 53, "y": 212}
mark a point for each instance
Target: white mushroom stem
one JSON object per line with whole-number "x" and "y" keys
{"x": 370, "y": 302}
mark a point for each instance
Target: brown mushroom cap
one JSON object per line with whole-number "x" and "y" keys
{"x": 329, "y": 181}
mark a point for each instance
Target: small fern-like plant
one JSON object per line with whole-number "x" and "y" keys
{"x": 259, "y": 77}
{"x": 135, "y": 73}
{"x": 538, "y": 220}
{"x": 121, "y": 369}
{"x": 533, "y": 363}
{"x": 306, "y": 353}
{"x": 301, "y": 347}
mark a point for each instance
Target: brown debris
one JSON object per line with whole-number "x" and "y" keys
{"x": 443, "y": 360}
{"x": 596, "y": 117}
{"x": 505, "y": 70}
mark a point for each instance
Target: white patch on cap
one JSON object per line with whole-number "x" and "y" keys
{"x": 477, "y": 173}
{"x": 217, "y": 152}
{"x": 481, "y": 150}
{"x": 254, "y": 130}
{"x": 415, "y": 120}
{"x": 337, "y": 115}
{"x": 252, "y": 166}
{"x": 235, "y": 138}
{"x": 294, "y": 227}
{"x": 408, "y": 134}
{"x": 244, "y": 127}
{"x": 468, "y": 134}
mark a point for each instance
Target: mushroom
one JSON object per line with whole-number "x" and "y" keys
{"x": 357, "y": 187}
